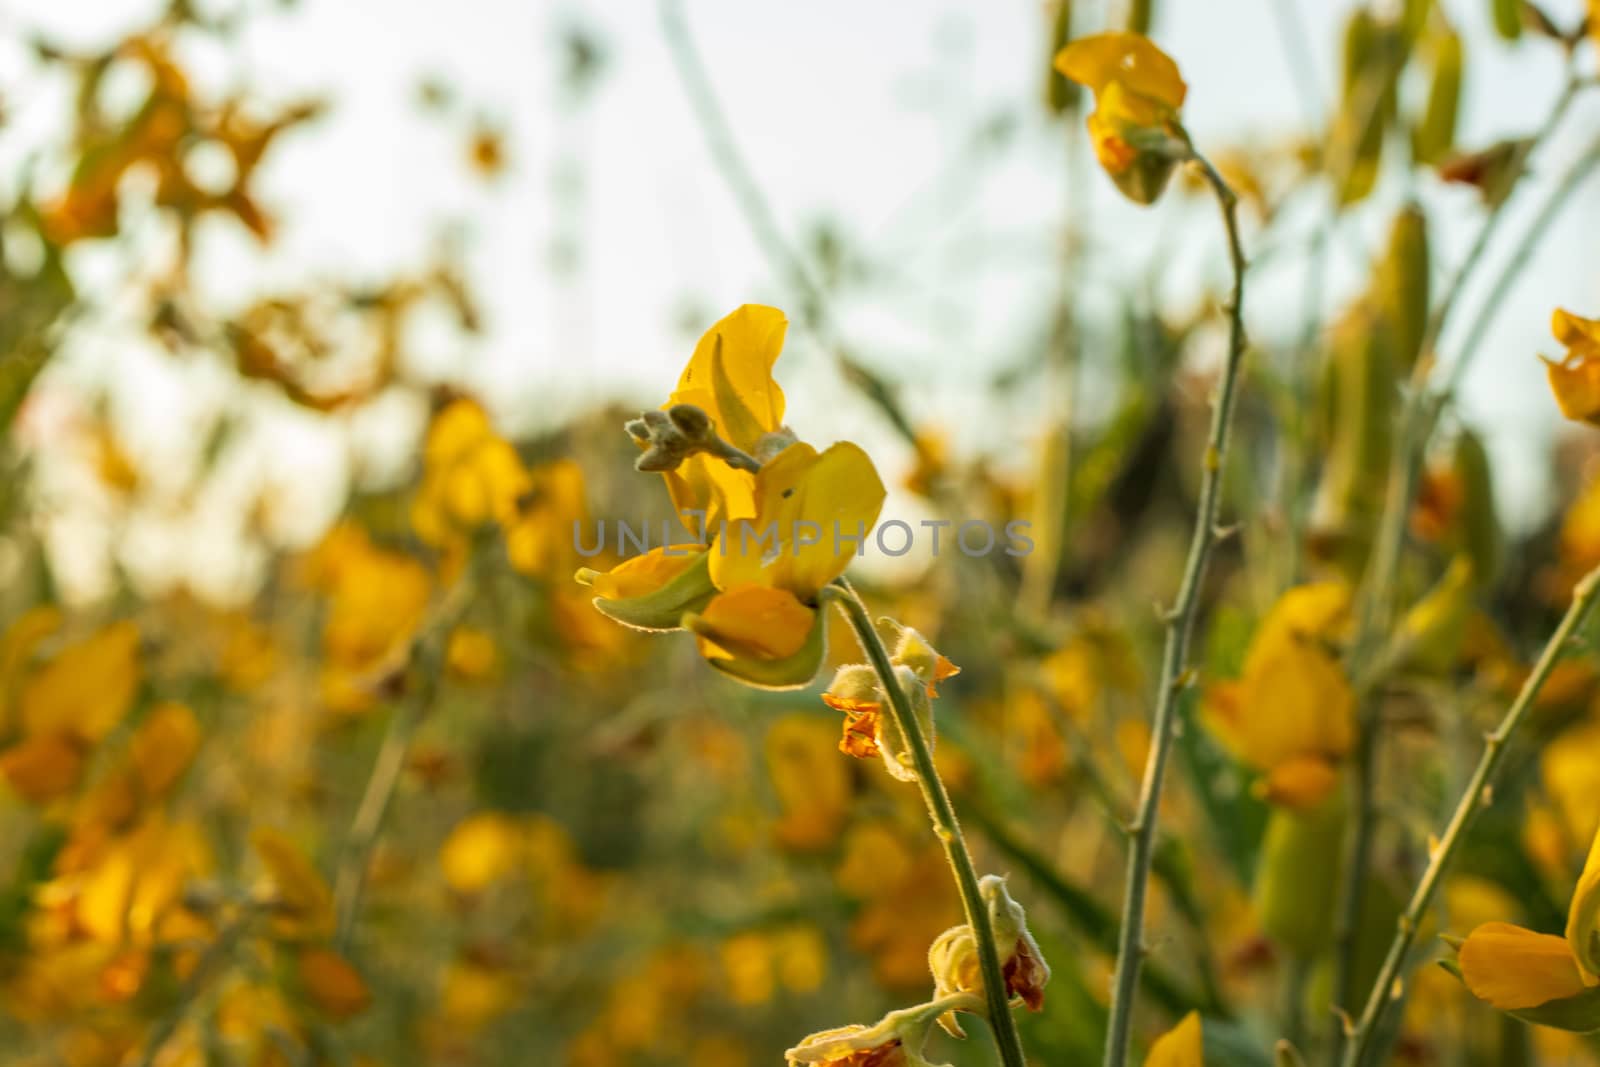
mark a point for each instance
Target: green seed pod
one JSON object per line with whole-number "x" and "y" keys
{"x": 1360, "y": 406}
{"x": 1061, "y": 94}
{"x": 1296, "y": 882}
{"x": 1435, "y": 135}
{"x": 1140, "y": 14}
{"x": 1479, "y": 529}
{"x": 1402, "y": 285}
{"x": 1507, "y": 18}
{"x": 1374, "y": 52}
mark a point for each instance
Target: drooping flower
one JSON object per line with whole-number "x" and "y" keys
{"x": 1542, "y": 978}
{"x": 1138, "y": 92}
{"x": 1575, "y": 379}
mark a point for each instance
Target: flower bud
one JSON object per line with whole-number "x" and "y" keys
{"x": 930, "y": 668}
{"x": 953, "y": 957}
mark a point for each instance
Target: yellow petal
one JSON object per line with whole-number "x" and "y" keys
{"x": 645, "y": 574}
{"x": 163, "y": 746}
{"x": 1583, "y": 916}
{"x": 1575, "y": 381}
{"x": 1182, "y": 1046}
{"x": 482, "y": 849}
{"x": 748, "y": 342}
{"x": 1514, "y": 968}
{"x": 809, "y": 510}
{"x": 1127, "y": 58}
{"x": 754, "y": 620}
{"x": 1574, "y": 330}
{"x": 87, "y": 688}
{"x": 302, "y": 895}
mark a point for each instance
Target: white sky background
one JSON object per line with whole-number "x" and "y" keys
{"x": 846, "y": 110}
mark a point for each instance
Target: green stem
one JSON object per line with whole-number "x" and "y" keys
{"x": 1174, "y": 661}
{"x": 1477, "y": 795}
{"x": 945, "y": 827}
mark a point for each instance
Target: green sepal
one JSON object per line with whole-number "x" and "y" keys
{"x": 664, "y": 608}
{"x": 790, "y": 672}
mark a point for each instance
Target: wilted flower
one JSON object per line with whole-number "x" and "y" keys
{"x": 953, "y": 958}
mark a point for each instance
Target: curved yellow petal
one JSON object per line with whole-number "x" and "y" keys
{"x": 1583, "y": 916}
{"x": 1182, "y": 1046}
{"x": 1574, "y": 330}
{"x": 753, "y": 620}
{"x": 733, "y": 362}
{"x": 1301, "y": 783}
{"x": 644, "y": 574}
{"x": 1127, "y": 58}
{"x": 1514, "y": 968}
{"x": 812, "y": 510}
{"x": 1575, "y": 381}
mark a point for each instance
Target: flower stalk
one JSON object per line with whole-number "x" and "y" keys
{"x": 1175, "y": 673}
{"x": 945, "y": 826}
{"x": 1476, "y": 796}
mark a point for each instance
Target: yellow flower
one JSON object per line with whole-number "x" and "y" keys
{"x": 301, "y": 901}
{"x": 1291, "y": 713}
{"x": 1138, "y": 91}
{"x": 1575, "y": 380}
{"x": 1540, "y": 977}
{"x": 1182, "y": 1046}
{"x": 810, "y": 511}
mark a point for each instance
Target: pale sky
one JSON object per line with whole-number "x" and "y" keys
{"x": 847, "y": 110}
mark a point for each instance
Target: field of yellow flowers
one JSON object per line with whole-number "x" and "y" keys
{"x": 1234, "y": 721}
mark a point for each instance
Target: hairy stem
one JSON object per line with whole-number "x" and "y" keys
{"x": 1175, "y": 657}
{"x": 1476, "y": 796}
{"x": 945, "y": 827}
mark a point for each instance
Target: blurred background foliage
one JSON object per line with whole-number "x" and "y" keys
{"x": 390, "y": 791}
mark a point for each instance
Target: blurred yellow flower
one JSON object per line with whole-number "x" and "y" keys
{"x": 1575, "y": 379}
{"x": 1182, "y": 1046}
{"x": 483, "y": 848}
{"x": 1518, "y": 970}
{"x": 1138, "y": 91}
{"x": 331, "y": 983}
{"x": 302, "y": 905}
{"x": 1291, "y": 713}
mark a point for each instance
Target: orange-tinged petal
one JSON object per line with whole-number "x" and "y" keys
{"x": 1127, "y": 58}
{"x": 44, "y": 767}
{"x": 645, "y": 574}
{"x": 1301, "y": 783}
{"x": 754, "y": 620}
{"x": 1514, "y": 968}
{"x": 1182, "y": 1046}
{"x": 332, "y": 984}
{"x": 163, "y": 746}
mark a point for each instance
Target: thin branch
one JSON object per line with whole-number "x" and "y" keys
{"x": 1175, "y": 658}
{"x": 945, "y": 827}
{"x": 1476, "y": 796}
